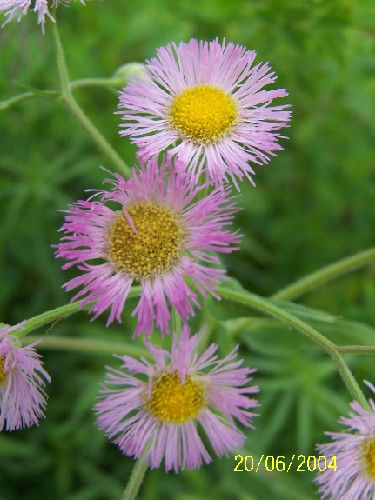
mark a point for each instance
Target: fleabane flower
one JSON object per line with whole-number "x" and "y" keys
{"x": 22, "y": 378}
{"x": 159, "y": 237}
{"x": 165, "y": 404}
{"x": 351, "y": 474}
{"x": 207, "y": 103}
{"x": 18, "y": 8}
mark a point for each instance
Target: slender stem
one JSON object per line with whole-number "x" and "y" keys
{"x": 97, "y": 137}
{"x": 25, "y": 96}
{"x": 77, "y": 84}
{"x": 175, "y": 321}
{"x": 269, "y": 309}
{"x": 89, "y": 345}
{"x": 328, "y": 273}
{"x": 357, "y": 349}
{"x": 50, "y": 316}
{"x": 77, "y": 112}
{"x": 61, "y": 64}
{"x": 60, "y": 313}
{"x": 97, "y": 82}
{"x": 136, "y": 477}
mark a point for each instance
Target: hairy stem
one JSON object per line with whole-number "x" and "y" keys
{"x": 356, "y": 349}
{"x": 87, "y": 345}
{"x": 175, "y": 322}
{"x": 77, "y": 112}
{"x": 326, "y": 274}
{"x": 60, "y": 313}
{"x": 264, "y": 306}
{"x": 136, "y": 478}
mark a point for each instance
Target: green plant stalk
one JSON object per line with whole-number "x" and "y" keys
{"x": 137, "y": 476}
{"x": 356, "y": 349}
{"x": 86, "y": 345}
{"x": 50, "y": 316}
{"x": 77, "y": 112}
{"x": 8, "y": 103}
{"x": 175, "y": 321}
{"x": 60, "y": 313}
{"x": 326, "y": 274}
{"x": 97, "y": 82}
{"x": 262, "y": 305}
{"x": 77, "y": 84}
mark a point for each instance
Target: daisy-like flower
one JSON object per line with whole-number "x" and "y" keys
{"x": 162, "y": 405}
{"x": 158, "y": 237}
{"x": 206, "y": 102}
{"x": 22, "y": 376}
{"x": 351, "y": 457}
{"x": 18, "y": 8}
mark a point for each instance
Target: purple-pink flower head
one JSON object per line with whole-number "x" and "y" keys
{"x": 18, "y": 8}
{"x": 158, "y": 237}
{"x": 22, "y": 376}
{"x": 163, "y": 406}
{"x": 206, "y": 101}
{"x": 351, "y": 475}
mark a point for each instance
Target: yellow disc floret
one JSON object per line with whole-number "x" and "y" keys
{"x": 203, "y": 114}
{"x": 175, "y": 402}
{"x": 369, "y": 456}
{"x": 146, "y": 240}
{"x": 2, "y": 372}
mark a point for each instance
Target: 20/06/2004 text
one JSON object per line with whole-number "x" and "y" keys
{"x": 280, "y": 463}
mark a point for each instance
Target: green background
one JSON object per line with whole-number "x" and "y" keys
{"x": 312, "y": 205}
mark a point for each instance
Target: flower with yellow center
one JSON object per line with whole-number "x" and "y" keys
{"x": 147, "y": 241}
{"x": 203, "y": 114}
{"x": 163, "y": 236}
{"x": 350, "y": 471}
{"x": 206, "y": 103}
{"x": 175, "y": 401}
{"x": 181, "y": 393}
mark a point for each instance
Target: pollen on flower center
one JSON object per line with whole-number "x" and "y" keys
{"x": 203, "y": 114}
{"x": 369, "y": 456}
{"x": 146, "y": 240}
{"x": 175, "y": 402}
{"x": 2, "y": 372}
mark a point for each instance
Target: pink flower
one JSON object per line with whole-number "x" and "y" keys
{"x": 206, "y": 101}
{"x": 18, "y": 8}
{"x": 22, "y": 376}
{"x": 158, "y": 237}
{"x": 177, "y": 394}
{"x": 351, "y": 455}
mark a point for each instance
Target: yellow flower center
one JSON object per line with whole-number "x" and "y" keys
{"x": 203, "y": 114}
{"x": 146, "y": 240}
{"x": 174, "y": 402}
{"x": 2, "y": 371}
{"x": 369, "y": 456}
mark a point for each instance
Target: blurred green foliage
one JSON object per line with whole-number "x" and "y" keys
{"x": 312, "y": 205}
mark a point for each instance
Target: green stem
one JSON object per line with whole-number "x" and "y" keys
{"x": 50, "y": 316}
{"x": 175, "y": 321}
{"x": 77, "y": 112}
{"x": 97, "y": 82}
{"x": 90, "y": 345}
{"x": 328, "y": 273}
{"x": 136, "y": 477}
{"x": 356, "y": 349}
{"x": 60, "y": 313}
{"x": 262, "y": 305}
{"x": 77, "y": 84}
{"x": 96, "y": 136}
{"x": 25, "y": 96}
